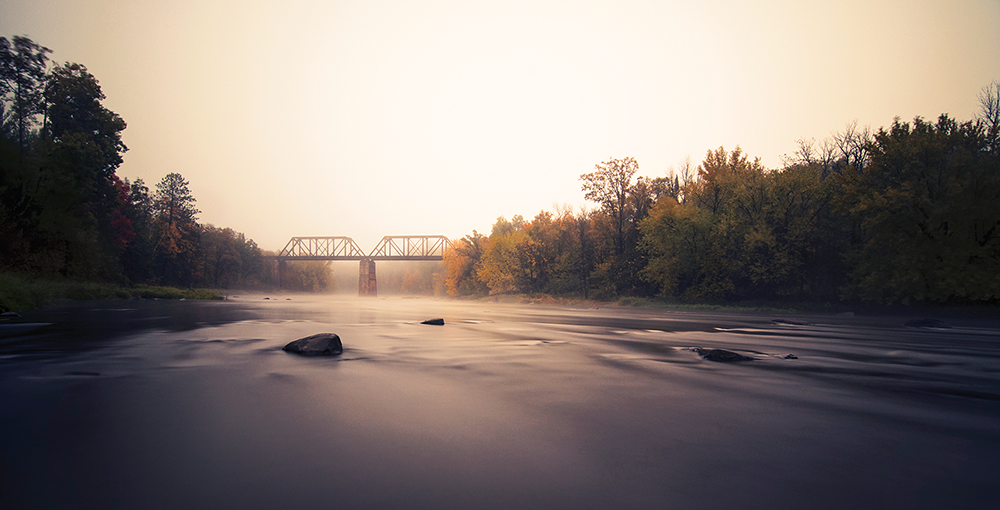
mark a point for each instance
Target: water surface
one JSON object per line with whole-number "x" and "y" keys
{"x": 167, "y": 404}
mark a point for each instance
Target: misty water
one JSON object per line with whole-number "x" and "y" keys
{"x": 181, "y": 404}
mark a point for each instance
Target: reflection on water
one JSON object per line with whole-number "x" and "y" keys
{"x": 166, "y": 404}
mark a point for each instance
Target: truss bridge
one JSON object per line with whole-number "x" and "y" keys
{"x": 344, "y": 248}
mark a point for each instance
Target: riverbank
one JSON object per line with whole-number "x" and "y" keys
{"x": 20, "y": 292}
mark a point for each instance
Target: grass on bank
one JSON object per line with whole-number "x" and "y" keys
{"x": 19, "y": 292}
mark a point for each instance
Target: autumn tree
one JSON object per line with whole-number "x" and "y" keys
{"x": 462, "y": 262}
{"x": 624, "y": 202}
{"x": 559, "y": 237}
{"x": 501, "y": 266}
{"x": 610, "y": 185}
{"x": 742, "y": 231}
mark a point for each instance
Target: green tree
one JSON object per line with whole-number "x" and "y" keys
{"x": 220, "y": 261}
{"x": 252, "y": 268}
{"x": 928, "y": 215}
{"x": 173, "y": 201}
{"x": 137, "y": 257}
{"x": 65, "y": 196}
{"x": 82, "y": 139}
{"x": 77, "y": 122}
{"x": 176, "y": 230}
{"x": 22, "y": 81}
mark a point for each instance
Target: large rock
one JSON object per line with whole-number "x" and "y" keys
{"x": 323, "y": 344}
{"x": 721, "y": 355}
{"x": 434, "y": 322}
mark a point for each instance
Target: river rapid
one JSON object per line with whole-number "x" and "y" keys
{"x": 182, "y": 404}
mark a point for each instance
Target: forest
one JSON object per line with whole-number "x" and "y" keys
{"x": 904, "y": 214}
{"x": 66, "y": 214}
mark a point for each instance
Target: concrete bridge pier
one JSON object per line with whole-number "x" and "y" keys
{"x": 367, "y": 284}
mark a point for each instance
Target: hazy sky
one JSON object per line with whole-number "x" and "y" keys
{"x": 372, "y": 118}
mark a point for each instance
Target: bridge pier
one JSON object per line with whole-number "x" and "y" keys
{"x": 367, "y": 283}
{"x": 282, "y": 265}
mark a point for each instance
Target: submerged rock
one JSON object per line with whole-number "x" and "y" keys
{"x": 721, "y": 355}
{"x": 323, "y": 344}
{"x": 927, "y": 323}
{"x": 434, "y": 322}
{"x": 791, "y": 356}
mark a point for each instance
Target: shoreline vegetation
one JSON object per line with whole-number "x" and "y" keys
{"x": 20, "y": 293}
{"x": 904, "y": 216}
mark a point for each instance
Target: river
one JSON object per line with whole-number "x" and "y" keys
{"x": 184, "y": 404}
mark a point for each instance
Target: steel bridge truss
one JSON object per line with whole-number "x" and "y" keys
{"x": 410, "y": 248}
{"x": 344, "y": 248}
{"x": 321, "y": 248}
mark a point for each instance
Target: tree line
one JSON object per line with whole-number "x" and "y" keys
{"x": 64, "y": 212}
{"x": 907, "y": 214}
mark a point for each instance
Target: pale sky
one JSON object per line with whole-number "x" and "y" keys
{"x": 394, "y": 117}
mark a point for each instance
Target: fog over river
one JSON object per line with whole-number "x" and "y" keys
{"x": 182, "y": 404}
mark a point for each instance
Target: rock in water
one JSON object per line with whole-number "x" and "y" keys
{"x": 434, "y": 322}
{"x": 720, "y": 355}
{"x": 323, "y": 344}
